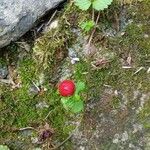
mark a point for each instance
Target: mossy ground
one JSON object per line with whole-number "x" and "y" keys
{"x": 130, "y": 46}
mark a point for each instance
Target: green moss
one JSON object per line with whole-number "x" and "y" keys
{"x": 18, "y": 106}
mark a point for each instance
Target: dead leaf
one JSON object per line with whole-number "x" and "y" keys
{"x": 129, "y": 59}
{"x": 100, "y": 63}
{"x": 45, "y": 132}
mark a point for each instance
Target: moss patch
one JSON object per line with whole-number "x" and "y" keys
{"x": 40, "y": 66}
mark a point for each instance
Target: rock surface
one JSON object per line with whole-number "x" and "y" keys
{"x": 18, "y": 16}
{"x": 112, "y": 127}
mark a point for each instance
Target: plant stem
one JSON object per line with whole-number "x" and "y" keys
{"x": 93, "y": 14}
{"x": 92, "y": 34}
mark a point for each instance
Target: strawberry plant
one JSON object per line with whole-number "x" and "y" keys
{"x": 95, "y": 4}
{"x": 74, "y": 102}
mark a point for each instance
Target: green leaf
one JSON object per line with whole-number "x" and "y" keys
{"x": 3, "y": 147}
{"x": 67, "y": 102}
{"x": 77, "y": 106}
{"x": 80, "y": 86}
{"x": 72, "y": 105}
{"x": 101, "y": 4}
{"x": 87, "y": 26}
{"x": 77, "y": 97}
{"x": 83, "y": 4}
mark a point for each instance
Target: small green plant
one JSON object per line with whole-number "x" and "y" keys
{"x": 96, "y": 4}
{"x": 74, "y": 103}
{"x": 3, "y": 147}
{"x": 87, "y": 26}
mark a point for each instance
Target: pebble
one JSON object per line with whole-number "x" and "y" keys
{"x": 33, "y": 89}
{"x": 42, "y": 105}
{"x": 125, "y": 136}
{"x": 3, "y": 72}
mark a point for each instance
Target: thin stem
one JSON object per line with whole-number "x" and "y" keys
{"x": 71, "y": 134}
{"x": 93, "y": 14}
{"x": 92, "y": 34}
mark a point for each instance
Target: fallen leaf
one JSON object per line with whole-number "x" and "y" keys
{"x": 45, "y": 132}
{"x": 100, "y": 63}
{"x": 129, "y": 59}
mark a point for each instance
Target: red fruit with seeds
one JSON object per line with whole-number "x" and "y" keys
{"x": 66, "y": 88}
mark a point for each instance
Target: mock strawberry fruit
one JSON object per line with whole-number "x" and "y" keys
{"x": 66, "y": 88}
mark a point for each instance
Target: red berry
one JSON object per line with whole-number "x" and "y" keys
{"x": 66, "y": 88}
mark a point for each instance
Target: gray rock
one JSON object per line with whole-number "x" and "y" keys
{"x": 18, "y": 16}
{"x": 3, "y": 72}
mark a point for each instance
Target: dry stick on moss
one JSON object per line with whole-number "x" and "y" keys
{"x": 36, "y": 86}
{"x": 92, "y": 34}
{"x": 26, "y": 128}
{"x": 48, "y": 23}
{"x": 62, "y": 142}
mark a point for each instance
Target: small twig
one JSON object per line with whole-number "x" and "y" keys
{"x": 62, "y": 142}
{"x": 27, "y": 128}
{"x": 36, "y": 87}
{"x": 92, "y": 34}
{"x": 53, "y": 15}
{"x": 49, "y": 114}
{"x": 141, "y": 68}
{"x": 127, "y": 67}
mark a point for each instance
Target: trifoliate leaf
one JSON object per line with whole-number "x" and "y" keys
{"x": 72, "y": 105}
{"x": 83, "y": 4}
{"x": 77, "y": 107}
{"x": 80, "y": 86}
{"x": 101, "y": 4}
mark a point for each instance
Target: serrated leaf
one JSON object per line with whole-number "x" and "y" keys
{"x": 80, "y": 86}
{"x": 77, "y": 106}
{"x": 67, "y": 102}
{"x": 83, "y": 4}
{"x": 72, "y": 105}
{"x": 101, "y": 4}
